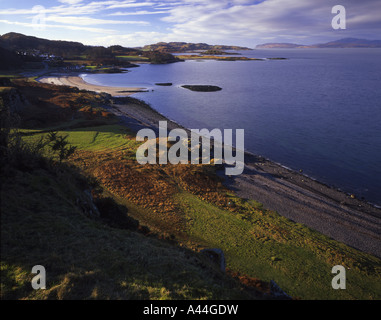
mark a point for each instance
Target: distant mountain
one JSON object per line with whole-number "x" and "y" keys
{"x": 278, "y": 45}
{"x": 351, "y": 43}
{"x": 342, "y": 43}
{"x": 184, "y": 47}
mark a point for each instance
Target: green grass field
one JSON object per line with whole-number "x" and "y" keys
{"x": 133, "y": 58}
{"x": 264, "y": 245}
{"x": 100, "y": 138}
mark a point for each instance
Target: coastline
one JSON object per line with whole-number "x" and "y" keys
{"x": 77, "y": 81}
{"x": 292, "y": 194}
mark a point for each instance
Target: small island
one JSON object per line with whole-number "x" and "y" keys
{"x": 164, "y": 84}
{"x": 202, "y": 88}
{"x": 216, "y": 52}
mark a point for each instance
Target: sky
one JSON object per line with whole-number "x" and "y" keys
{"x": 133, "y": 23}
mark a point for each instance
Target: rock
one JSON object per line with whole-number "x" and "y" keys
{"x": 202, "y": 88}
{"x": 92, "y": 208}
{"x": 168, "y": 84}
{"x": 217, "y": 256}
{"x": 277, "y": 292}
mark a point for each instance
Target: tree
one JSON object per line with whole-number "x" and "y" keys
{"x": 60, "y": 145}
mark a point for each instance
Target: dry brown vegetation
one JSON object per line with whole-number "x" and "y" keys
{"x": 49, "y": 105}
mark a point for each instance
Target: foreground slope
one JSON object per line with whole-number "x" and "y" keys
{"x": 184, "y": 203}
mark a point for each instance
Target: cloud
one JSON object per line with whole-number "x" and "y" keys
{"x": 60, "y": 26}
{"x": 70, "y": 1}
{"x": 241, "y": 22}
{"x": 135, "y": 39}
{"x": 134, "y": 13}
{"x": 70, "y": 7}
{"x": 245, "y": 21}
{"x": 86, "y": 21}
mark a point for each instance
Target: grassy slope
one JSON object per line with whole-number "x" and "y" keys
{"x": 257, "y": 242}
{"x": 42, "y": 223}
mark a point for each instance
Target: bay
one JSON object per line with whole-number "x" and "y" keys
{"x": 319, "y": 110}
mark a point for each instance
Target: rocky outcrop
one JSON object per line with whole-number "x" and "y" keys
{"x": 217, "y": 256}
{"x": 202, "y": 88}
{"x": 13, "y": 99}
{"x": 86, "y": 203}
{"x": 168, "y": 84}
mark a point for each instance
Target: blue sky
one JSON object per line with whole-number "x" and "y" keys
{"x": 231, "y": 22}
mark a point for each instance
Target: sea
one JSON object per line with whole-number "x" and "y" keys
{"x": 319, "y": 110}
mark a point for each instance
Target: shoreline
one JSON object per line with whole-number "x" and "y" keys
{"x": 293, "y": 195}
{"x": 77, "y": 81}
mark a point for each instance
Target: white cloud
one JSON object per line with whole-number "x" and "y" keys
{"x": 250, "y": 21}
{"x": 134, "y": 13}
{"x": 73, "y": 7}
{"x": 70, "y": 1}
{"x": 86, "y": 21}
{"x": 241, "y": 22}
{"x": 136, "y": 39}
{"x": 68, "y": 27}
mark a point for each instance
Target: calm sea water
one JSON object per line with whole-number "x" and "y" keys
{"x": 319, "y": 111}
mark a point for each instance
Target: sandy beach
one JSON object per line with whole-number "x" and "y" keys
{"x": 76, "y": 81}
{"x": 293, "y": 195}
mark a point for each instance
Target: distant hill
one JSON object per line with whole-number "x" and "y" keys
{"x": 17, "y": 41}
{"x": 184, "y": 47}
{"x": 278, "y": 45}
{"x": 75, "y": 50}
{"x": 342, "y": 43}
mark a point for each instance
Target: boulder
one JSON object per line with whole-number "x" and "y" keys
{"x": 217, "y": 256}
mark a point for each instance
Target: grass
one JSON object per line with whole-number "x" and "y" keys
{"x": 257, "y": 242}
{"x": 133, "y": 58}
{"x": 84, "y": 259}
{"x": 264, "y": 245}
{"x": 100, "y": 138}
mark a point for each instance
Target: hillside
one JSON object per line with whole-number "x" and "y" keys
{"x": 78, "y": 53}
{"x": 173, "y": 47}
{"x": 9, "y": 60}
{"x": 17, "y": 41}
{"x": 342, "y": 43}
{"x": 153, "y": 220}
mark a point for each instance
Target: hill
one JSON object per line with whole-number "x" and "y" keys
{"x": 17, "y": 42}
{"x": 342, "y": 43}
{"x": 9, "y": 60}
{"x": 185, "y": 47}
{"x": 79, "y": 53}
